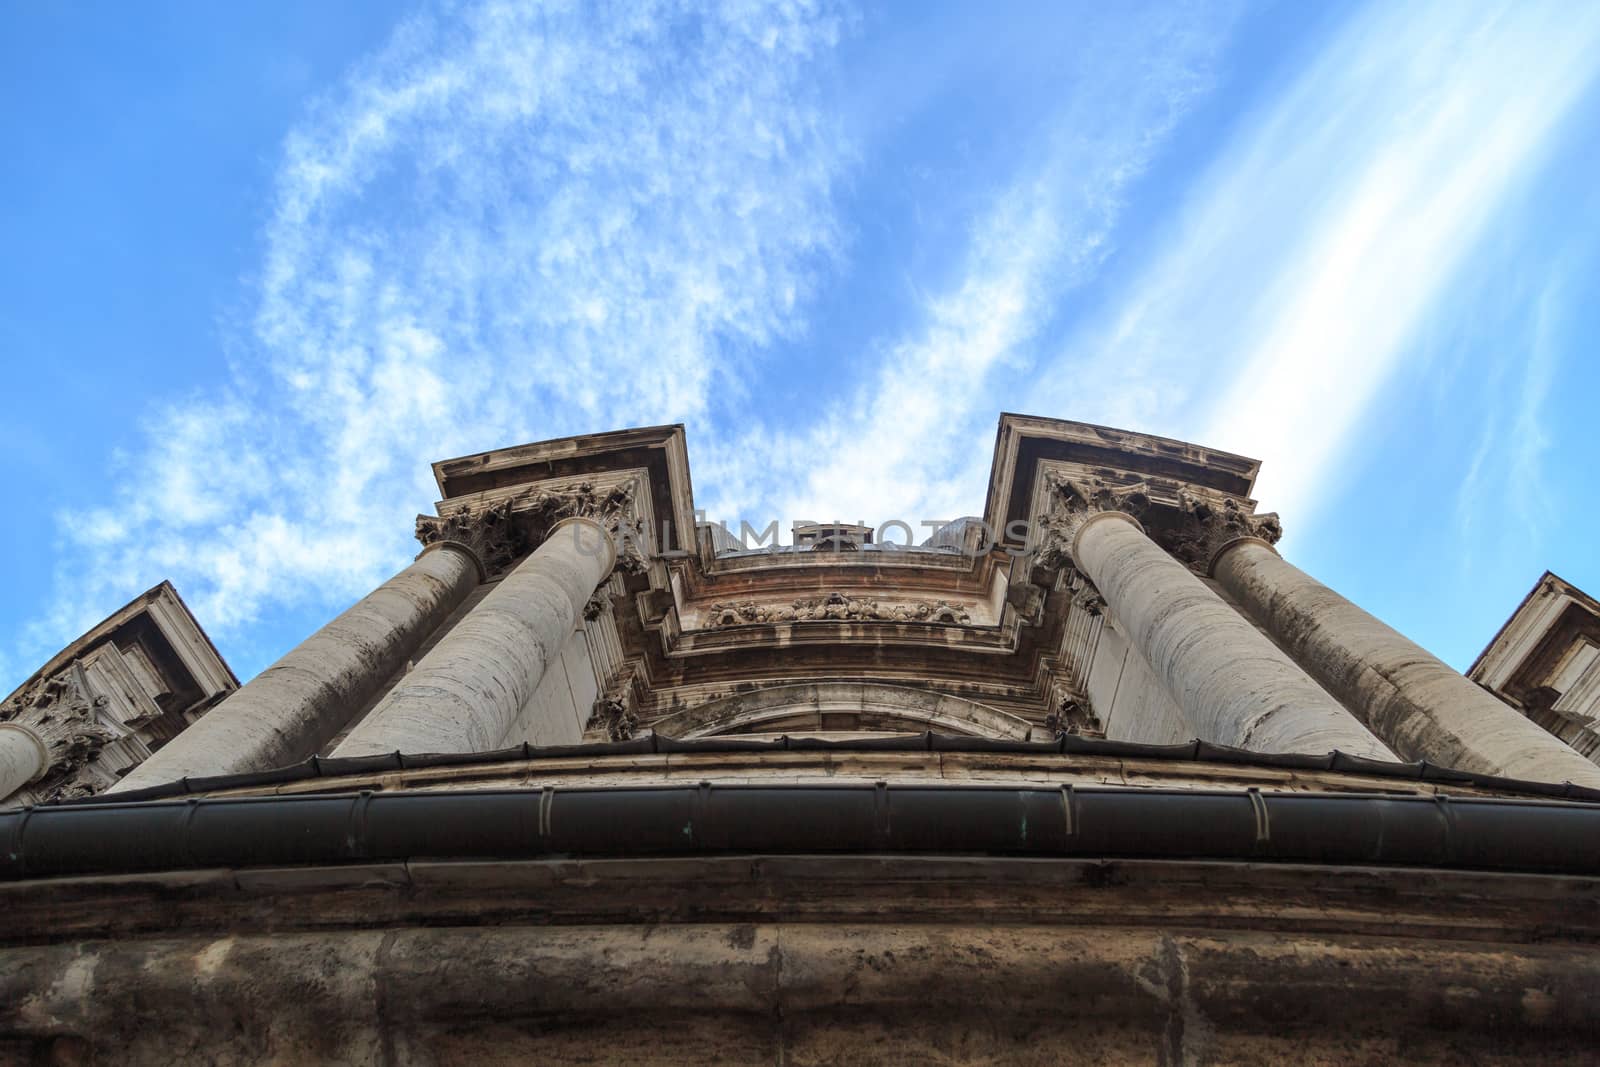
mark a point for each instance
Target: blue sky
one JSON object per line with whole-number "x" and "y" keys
{"x": 265, "y": 263}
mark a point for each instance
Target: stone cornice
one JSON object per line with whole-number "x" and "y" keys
{"x": 1028, "y": 446}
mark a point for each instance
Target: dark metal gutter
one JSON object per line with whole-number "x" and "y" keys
{"x": 1067, "y": 744}
{"x": 1248, "y": 825}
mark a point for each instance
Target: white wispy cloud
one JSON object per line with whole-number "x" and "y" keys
{"x": 1505, "y": 475}
{"x": 900, "y": 443}
{"x": 1318, "y": 242}
{"x": 514, "y": 222}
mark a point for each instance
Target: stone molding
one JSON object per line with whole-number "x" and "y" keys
{"x": 839, "y": 607}
{"x": 62, "y": 714}
{"x": 901, "y": 708}
{"x": 497, "y": 535}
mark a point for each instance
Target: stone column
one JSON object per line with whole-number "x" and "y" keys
{"x": 1234, "y": 685}
{"x": 1415, "y": 702}
{"x": 291, "y": 709}
{"x": 23, "y": 757}
{"x": 464, "y": 694}
{"x": 49, "y": 731}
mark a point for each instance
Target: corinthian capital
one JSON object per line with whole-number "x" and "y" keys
{"x": 61, "y": 714}
{"x": 611, "y": 508}
{"x": 486, "y": 532}
{"x": 1073, "y": 501}
{"x": 498, "y": 535}
{"x": 1208, "y": 525}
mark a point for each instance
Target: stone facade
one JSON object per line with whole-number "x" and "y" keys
{"x": 104, "y": 703}
{"x": 1545, "y": 662}
{"x": 1093, "y": 776}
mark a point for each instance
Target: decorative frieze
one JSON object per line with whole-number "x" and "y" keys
{"x": 62, "y": 712}
{"x": 838, "y": 607}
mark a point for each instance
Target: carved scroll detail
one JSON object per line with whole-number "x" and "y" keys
{"x": 838, "y": 607}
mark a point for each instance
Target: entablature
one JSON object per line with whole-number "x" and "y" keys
{"x": 1025, "y": 443}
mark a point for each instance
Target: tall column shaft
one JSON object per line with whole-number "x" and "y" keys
{"x": 1236, "y": 687}
{"x": 295, "y": 706}
{"x": 23, "y": 757}
{"x": 1411, "y": 699}
{"x": 464, "y": 695}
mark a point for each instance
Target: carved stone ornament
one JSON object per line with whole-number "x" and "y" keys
{"x": 1088, "y": 599}
{"x": 1072, "y": 501}
{"x": 1209, "y": 524}
{"x": 1028, "y": 600}
{"x": 500, "y": 534}
{"x": 488, "y": 532}
{"x": 837, "y": 607}
{"x": 835, "y": 543}
{"x": 616, "y": 718}
{"x": 1072, "y": 716}
{"x": 63, "y": 712}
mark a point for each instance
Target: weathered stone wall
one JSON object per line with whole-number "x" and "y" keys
{"x": 806, "y": 961}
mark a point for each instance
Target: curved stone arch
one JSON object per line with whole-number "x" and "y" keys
{"x": 777, "y": 707}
